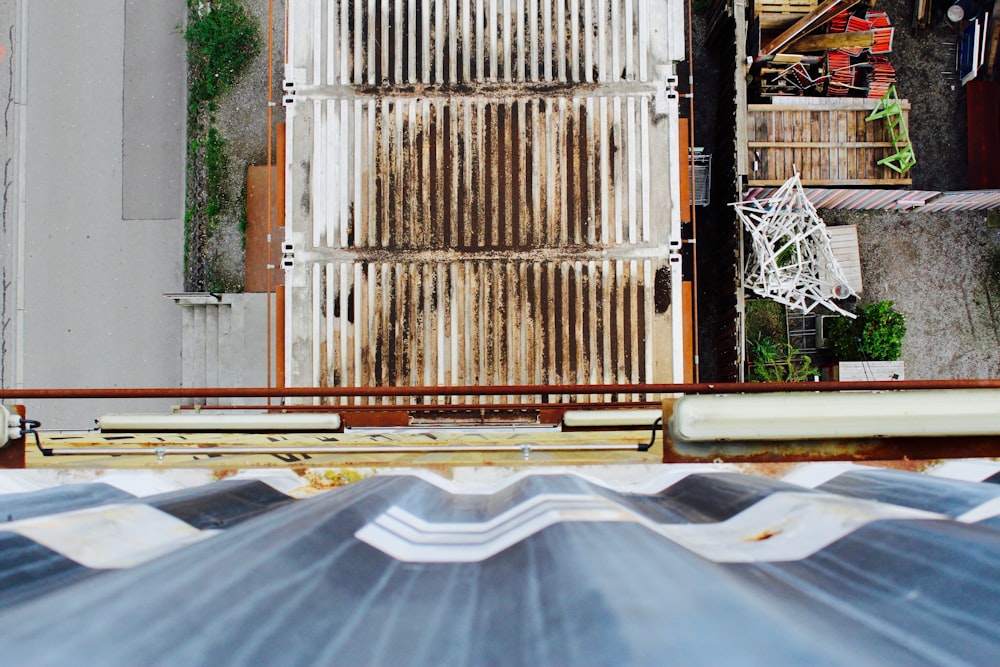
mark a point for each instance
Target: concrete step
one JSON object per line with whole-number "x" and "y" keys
{"x": 253, "y": 352}
{"x": 212, "y": 350}
{"x": 225, "y": 344}
{"x": 226, "y": 349}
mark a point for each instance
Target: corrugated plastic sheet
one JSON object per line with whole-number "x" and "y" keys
{"x": 892, "y": 200}
{"x": 835, "y": 564}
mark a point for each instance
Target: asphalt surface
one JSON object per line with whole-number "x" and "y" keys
{"x": 93, "y": 217}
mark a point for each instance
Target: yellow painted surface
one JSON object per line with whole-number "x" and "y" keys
{"x": 383, "y": 438}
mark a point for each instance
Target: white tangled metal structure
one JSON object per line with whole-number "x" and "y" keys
{"x": 791, "y": 260}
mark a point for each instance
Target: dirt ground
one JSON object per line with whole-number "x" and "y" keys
{"x": 933, "y": 265}
{"x": 242, "y": 119}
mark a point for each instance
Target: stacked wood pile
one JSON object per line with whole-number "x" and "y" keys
{"x": 827, "y": 49}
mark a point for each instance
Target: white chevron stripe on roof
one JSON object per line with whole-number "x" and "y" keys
{"x": 812, "y": 475}
{"x": 785, "y": 526}
{"x": 111, "y": 536}
{"x": 969, "y": 470}
{"x": 409, "y": 538}
{"x": 136, "y": 482}
{"x": 987, "y": 510}
{"x": 631, "y": 478}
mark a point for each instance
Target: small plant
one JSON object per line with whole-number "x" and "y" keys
{"x": 875, "y": 335}
{"x": 779, "y": 362}
{"x": 222, "y": 41}
{"x": 771, "y": 361}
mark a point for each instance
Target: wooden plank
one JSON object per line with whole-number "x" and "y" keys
{"x": 832, "y": 181}
{"x": 740, "y": 83}
{"x": 994, "y": 44}
{"x": 684, "y": 160}
{"x": 983, "y": 112}
{"x": 865, "y": 371}
{"x": 832, "y": 40}
{"x": 779, "y": 6}
{"x": 847, "y": 104}
{"x": 819, "y": 144}
{"x": 257, "y": 256}
{"x": 808, "y": 23}
{"x": 687, "y": 297}
{"x": 844, "y": 244}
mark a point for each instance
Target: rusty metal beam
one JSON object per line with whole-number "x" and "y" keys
{"x": 869, "y": 449}
{"x": 445, "y": 407}
{"x": 499, "y": 390}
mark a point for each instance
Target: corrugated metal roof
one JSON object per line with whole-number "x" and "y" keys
{"x": 482, "y": 191}
{"x": 835, "y": 564}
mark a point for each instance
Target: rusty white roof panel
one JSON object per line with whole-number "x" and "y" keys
{"x": 483, "y": 323}
{"x": 396, "y": 42}
{"x": 551, "y": 569}
{"x": 473, "y": 173}
{"x": 482, "y": 192}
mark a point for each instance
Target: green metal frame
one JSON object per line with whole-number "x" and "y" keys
{"x": 891, "y": 110}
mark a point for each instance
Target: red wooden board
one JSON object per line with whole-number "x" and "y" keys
{"x": 983, "y": 109}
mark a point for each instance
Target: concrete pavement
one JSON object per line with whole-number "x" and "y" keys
{"x": 98, "y": 95}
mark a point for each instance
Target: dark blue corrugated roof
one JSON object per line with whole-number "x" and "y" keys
{"x": 717, "y": 568}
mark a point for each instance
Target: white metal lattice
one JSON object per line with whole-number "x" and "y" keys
{"x": 790, "y": 260}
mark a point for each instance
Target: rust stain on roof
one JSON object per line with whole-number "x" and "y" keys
{"x": 483, "y": 195}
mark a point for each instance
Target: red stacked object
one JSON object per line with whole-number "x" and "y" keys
{"x": 841, "y": 71}
{"x": 880, "y": 77}
{"x": 858, "y": 68}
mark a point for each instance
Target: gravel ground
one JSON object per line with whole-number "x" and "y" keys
{"x": 934, "y": 266}
{"x": 242, "y": 119}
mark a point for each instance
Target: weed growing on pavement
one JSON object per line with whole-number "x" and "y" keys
{"x": 222, "y": 40}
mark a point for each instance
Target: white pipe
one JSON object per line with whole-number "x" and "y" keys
{"x": 610, "y": 418}
{"x": 810, "y": 416}
{"x": 253, "y": 423}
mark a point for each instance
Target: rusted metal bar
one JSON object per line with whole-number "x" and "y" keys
{"x": 868, "y": 449}
{"x": 500, "y": 390}
{"x": 417, "y": 407}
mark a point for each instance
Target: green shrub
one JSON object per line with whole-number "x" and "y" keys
{"x": 875, "y": 335}
{"x": 771, "y": 361}
{"x": 221, "y": 44}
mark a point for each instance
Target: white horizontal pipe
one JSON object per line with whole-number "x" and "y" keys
{"x": 809, "y": 416}
{"x": 252, "y": 423}
{"x": 608, "y": 418}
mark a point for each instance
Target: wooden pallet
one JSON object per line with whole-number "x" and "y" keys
{"x": 829, "y": 143}
{"x": 779, "y": 14}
